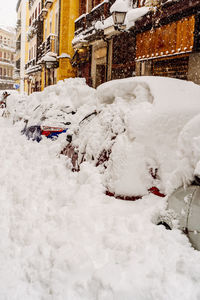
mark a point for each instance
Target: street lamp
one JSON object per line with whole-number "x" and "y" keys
{"x": 118, "y": 17}
{"x": 119, "y": 10}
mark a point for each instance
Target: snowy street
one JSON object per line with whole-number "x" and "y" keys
{"x": 62, "y": 238}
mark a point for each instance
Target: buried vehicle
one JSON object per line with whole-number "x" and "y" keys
{"x": 183, "y": 211}
{"x": 49, "y": 121}
{"x": 183, "y": 203}
{"x": 131, "y": 136}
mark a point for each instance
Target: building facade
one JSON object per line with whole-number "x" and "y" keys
{"x": 159, "y": 38}
{"x": 102, "y": 53}
{"x": 7, "y": 54}
{"x": 168, "y": 41}
{"x": 49, "y": 36}
{"x": 21, "y": 42}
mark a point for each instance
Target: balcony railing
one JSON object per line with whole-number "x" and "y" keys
{"x": 30, "y": 64}
{"x": 6, "y": 60}
{"x": 6, "y": 77}
{"x": 87, "y": 21}
{"x": 50, "y": 45}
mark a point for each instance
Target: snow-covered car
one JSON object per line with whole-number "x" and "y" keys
{"x": 183, "y": 204}
{"x": 183, "y": 212}
{"x": 48, "y": 120}
{"x": 132, "y": 137}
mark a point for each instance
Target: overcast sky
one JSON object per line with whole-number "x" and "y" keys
{"x": 8, "y": 12}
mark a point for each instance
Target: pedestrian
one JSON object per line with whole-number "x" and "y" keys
{"x": 3, "y": 101}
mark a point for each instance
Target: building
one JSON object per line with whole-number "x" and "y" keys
{"x": 102, "y": 53}
{"x": 21, "y": 42}
{"x": 158, "y": 37}
{"x": 49, "y": 36}
{"x": 34, "y": 38}
{"x": 7, "y": 53}
{"x": 168, "y": 41}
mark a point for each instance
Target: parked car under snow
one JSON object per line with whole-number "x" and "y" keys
{"x": 132, "y": 137}
{"x": 183, "y": 204}
{"x": 49, "y": 121}
{"x": 183, "y": 211}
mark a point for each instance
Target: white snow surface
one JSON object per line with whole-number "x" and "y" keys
{"x": 63, "y": 239}
{"x": 71, "y": 93}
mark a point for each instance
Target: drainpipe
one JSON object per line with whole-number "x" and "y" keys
{"x": 59, "y": 21}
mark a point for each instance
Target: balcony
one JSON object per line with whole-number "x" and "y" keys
{"x": 30, "y": 64}
{"x": 85, "y": 24}
{"x": 50, "y": 45}
{"x": 48, "y": 3}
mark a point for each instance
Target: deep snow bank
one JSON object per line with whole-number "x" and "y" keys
{"x": 72, "y": 93}
{"x": 63, "y": 239}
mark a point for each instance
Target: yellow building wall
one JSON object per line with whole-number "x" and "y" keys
{"x": 69, "y": 13}
{"x": 51, "y": 11}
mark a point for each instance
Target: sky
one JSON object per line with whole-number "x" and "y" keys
{"x": 8, "y": 12}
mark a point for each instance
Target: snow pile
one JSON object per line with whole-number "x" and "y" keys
{"x": 132, "y": 14}
{"x": 157, "y": 109}
{"x": 189, "y": 155}
{"x": 135, "y": 14}
{"x": 69, "y": 95}
{"x": 120, "y": 6}
{"x": 63, "y": 239}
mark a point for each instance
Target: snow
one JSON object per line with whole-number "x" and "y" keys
{"x": 70, "y": 93}
{"x": 155, "y": 113}
{"x": 120, "y": 6}
{"x": 188, "y": 152}
{"x": 62, "y": 238}
{"x": 64, "y": 55}
{"x": 135, "y": 14}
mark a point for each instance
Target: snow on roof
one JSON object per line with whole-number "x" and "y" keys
{"x": 120, "y": 6}
{"x": 50, "y": 56}
{"x": 64, "y": 55}
{"x": 134, "y": 14}
{"x": 8, "y": 29}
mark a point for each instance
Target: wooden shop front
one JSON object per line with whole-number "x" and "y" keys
{"x": 164, "y": 51}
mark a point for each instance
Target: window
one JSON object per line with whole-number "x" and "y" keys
{"x": 4, "y": 72}
{"x": 0, "y": 71}
{"x": 0, "y": 54}
{"x": 36, "y": 13}
{"x": 39, "y": 8}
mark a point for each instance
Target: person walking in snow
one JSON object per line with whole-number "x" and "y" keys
{"x": 3, "y": 101}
